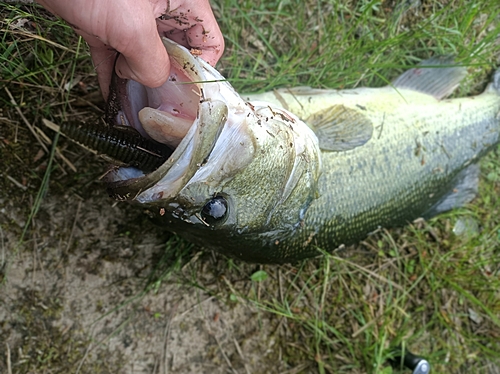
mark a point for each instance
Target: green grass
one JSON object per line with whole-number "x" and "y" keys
{"x": 421, "y": 286}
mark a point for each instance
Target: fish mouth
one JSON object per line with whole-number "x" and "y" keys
{"x": 178, "y": 115}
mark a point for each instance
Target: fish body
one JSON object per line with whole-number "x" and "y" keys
{"x": 420, "y": 161}
{"x": 272, "y": 178}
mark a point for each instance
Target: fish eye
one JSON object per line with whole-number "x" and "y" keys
{"x": 214, "y": 211}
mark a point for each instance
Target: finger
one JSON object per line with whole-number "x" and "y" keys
{"x": 211, "y": 46}
{"x": 144, "y": 57}
{"x": 206, "y": 35}
{"x": 103, "y": 58}
{"x": 208, "y": 39}
{"x": 199, "y": 31}
{"x": 130, "y": 29}
{"x": 152, "y": 72}
{"x": 104, "y": 63}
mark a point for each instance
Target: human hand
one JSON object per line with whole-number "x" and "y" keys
{"x": 133, "y": 28}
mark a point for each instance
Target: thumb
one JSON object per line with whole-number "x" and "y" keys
{"x": 144, "y": 59}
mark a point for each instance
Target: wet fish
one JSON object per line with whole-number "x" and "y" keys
{"x": 271, "y": 178}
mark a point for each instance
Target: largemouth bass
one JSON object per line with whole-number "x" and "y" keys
{"x": 271, "y": 178}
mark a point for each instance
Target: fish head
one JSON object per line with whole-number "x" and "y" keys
{"x": 242, "y": 175}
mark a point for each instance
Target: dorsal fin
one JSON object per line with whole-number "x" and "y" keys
{"x": 436, "y": 76}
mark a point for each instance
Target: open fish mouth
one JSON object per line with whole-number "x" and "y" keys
{"x": 223, "y": 148}
{"x": 166, "y": 113}
{"x": 176, "y": 115}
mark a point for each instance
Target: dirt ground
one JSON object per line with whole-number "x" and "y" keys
{"x": 72, "y": 300}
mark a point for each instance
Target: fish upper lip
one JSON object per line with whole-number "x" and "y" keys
{"x": 178, "y": 97}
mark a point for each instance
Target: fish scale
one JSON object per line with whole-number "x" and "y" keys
{"x": 378, "y": 193}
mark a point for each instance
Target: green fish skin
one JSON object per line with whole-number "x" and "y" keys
{"x": 250, "y": 179}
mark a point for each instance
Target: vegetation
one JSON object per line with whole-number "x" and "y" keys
{"x": 433, "y": 287}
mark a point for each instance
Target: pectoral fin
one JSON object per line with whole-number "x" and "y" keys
{"x": 340, "y": 128}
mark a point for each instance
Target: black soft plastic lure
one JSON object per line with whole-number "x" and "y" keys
{"x": 122, "y": 145}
